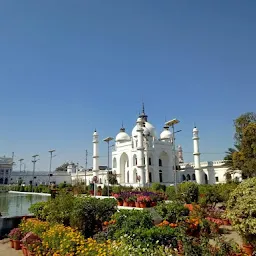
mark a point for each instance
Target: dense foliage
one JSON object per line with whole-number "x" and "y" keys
{"x": 242, "y": 209}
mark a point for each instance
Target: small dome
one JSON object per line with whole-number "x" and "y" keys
{"x": 165, "y": 135}
{"x": 195, "y": 130}
{"x": 122, "y": 136}
{"x": 149, "y": 129}
{"x": 95, "y": 133}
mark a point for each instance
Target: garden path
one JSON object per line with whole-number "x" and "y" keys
{"x": 6, "y": 250}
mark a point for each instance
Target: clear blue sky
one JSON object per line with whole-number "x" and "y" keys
{"x": 68, "y": 67}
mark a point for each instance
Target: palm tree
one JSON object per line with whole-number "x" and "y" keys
{"x": 229, "y": 161}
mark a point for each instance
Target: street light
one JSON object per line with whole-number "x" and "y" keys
{"x": 108, "y": 139}
{"x": 172, "y": 123}
{"x": 20, "y": 160}
{"x": 50, "y": 169}
{"x": 21, "y": 163}
{"x": 34, "y": 167}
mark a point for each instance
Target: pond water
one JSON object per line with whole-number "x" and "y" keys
{"x": 12, "y": 204}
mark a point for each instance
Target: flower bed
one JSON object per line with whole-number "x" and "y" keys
{"x": 139, "y": 199}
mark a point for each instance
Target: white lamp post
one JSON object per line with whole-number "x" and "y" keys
{"x": 108, "y": 139}
{"x": 172, "y": 123}
{"x": 50, "y": 168}
{"x": 34, "y": 167}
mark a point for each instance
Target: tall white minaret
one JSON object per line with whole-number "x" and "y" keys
{"x": 140, "y": 151}
{"x": 198, "y": 171}
{"x": 95, "y": 141}
{"x": 180, "y": 154}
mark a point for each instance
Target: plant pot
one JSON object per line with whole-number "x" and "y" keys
{"x": 11, "y": 243}
{"x": 247, "y": 248}
{"x": 16, "y": 244}
{"x": 132, "y": 204}
{"x": 125, "y": 203}
{"x": 98, "y": 193}
{"x": 143, "y": 205}
{"x": 226, "y": 222}
{"x": 120, "y": 203}
{"x": 24, "y": 250}
{"x": 153, "y": 204}
{"x": 137, "y": 204}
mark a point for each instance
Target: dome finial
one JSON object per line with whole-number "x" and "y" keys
{"x": 194, "y": 124}
{"x": 122, "y": 128}
{"x": 143, "y": 114}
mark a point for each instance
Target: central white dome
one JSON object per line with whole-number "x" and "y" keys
{"x": 165, "y": 135}
{"x": 149, "y": 129}
{"x": 122, "y": 136}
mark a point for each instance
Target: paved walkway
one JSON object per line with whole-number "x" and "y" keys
{"x": 6, "y": 250}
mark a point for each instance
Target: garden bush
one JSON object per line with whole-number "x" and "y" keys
{"x": 88, "y": 214}
{"x": 38, "y": 210}
{"x": 128, "y": 221}
{"x": 158, "y": 187}
{"x": 189, "y": 192}
{"x": 241, "y": 209}
{"x": 172, "y": 212}
{"x": 58, "y": 210}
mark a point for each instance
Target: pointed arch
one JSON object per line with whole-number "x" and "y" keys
{"x": 188, "y": 177}
{"x": 183, "y": 177}
{"x": 135, "y": 174}
{"x": 114, "y": 162}
{"x": 134, "y": 160}
{"x": 123, "y": 166}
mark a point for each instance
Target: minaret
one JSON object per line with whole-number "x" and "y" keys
{"x": 180, "y": 154}
{"x": 95, "y": 141}
{"x": 198, "y": 171}
{"x": 140, "y": 151}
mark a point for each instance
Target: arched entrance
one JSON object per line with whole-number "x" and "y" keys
{"x": 123, "y": 167}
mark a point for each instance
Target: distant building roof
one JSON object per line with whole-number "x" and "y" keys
{"x": 5, "y": 160}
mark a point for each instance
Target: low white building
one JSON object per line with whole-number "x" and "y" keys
{"x": 39, "y": 177}
{"x": 6, "y": 164}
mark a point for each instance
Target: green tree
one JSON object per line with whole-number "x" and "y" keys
{"x": 62, "y": 168}
{"x": 241, "y": 123}
{"x": 112, "y": 179}
{"x": 248, "y": 150}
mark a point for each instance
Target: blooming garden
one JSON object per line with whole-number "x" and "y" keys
{"x": 190, "y": 222}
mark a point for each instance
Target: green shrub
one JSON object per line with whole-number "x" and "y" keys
{"x": 21, "y": 188}
{"x": 241, "y": 209}
{"x": 225, "y": 190}
{"x": 189, "y": 192}
{"x": 89, "y": 213}
{"x": 158, "y": 187}
{"x": 172, "y": 212}
{"x": 170, "y": 192}
{"x": 59, "y": 210}
{"x": 38, "y": 210}
{"x": 128, "y": 221}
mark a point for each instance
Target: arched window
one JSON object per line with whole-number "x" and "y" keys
{"x": 150, "y": 177}
{"x": 114, "y": 162}
{"x": 1, "y": 180}
{"x": 193, "y": 176}
{"x": 134, "y": 160}
{"x": 188, "y": 177}
{"x": 149, "y": 161}
{"x": 206, "y": 178}
{"x": 183, "y": 177}
{"x": 128, "y": 177}
{"x": 160, "y": 176}
{"x": 160, "y": 162}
